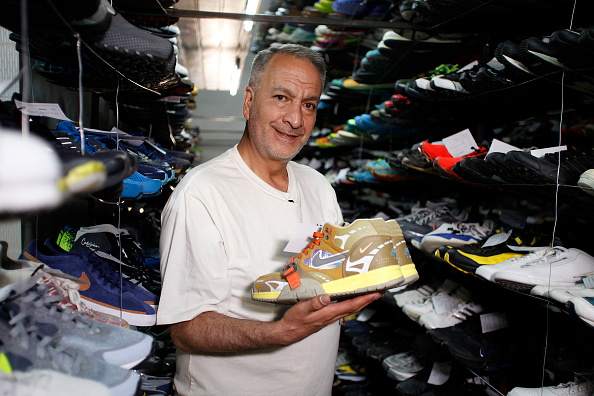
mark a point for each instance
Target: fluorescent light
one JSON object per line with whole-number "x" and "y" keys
{"x": 235, "y": 80}
{"x": 250, "y": 9}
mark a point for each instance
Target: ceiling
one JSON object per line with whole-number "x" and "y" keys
{"x": 210, "y": 48}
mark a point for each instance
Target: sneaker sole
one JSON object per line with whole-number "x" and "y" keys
{"x": 340, "y": 289}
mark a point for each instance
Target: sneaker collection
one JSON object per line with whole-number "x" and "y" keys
{"x": 41, "y": 332}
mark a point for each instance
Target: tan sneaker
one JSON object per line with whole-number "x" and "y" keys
{"x": 341, "y": 261}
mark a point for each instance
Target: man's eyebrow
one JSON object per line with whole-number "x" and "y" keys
{"x": 288, "y": 92}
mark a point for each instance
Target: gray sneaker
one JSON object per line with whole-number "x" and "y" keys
{"x": 115, "y": 345}
{"x": 33, "y": 346}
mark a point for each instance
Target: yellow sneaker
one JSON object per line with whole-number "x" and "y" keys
{"x": 342, "y": 261}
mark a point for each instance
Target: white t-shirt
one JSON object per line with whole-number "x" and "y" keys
{"x": 221, "y": 229}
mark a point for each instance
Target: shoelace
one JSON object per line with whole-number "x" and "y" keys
{"x": 290, "y": 269}
{"x": 107, "y": 278}
{"x": 39, "y": 297}
{"x": 551, "y": 253}
{"x": 27, "y": 334}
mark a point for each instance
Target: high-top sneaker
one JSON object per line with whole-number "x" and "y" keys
{"x": 342, "y": 262}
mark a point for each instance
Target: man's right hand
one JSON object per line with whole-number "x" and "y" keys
{"x": 308, "y": 317}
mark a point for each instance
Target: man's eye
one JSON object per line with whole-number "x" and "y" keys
{"x": 310, "y": 106}
{"x": 280, "y": 97}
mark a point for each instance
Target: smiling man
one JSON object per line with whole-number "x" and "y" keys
{"x": 227, "y": 223}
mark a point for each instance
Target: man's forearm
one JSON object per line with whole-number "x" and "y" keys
{"x": 212, "y": 332}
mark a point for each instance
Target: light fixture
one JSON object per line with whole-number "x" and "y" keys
{"x": 250, "y": 9}
{"x": 235, "y": 77}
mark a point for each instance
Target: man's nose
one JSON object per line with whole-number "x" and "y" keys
{"x": 293, "y": 115}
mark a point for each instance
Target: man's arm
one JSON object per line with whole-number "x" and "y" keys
{"x": 214, "y": 332}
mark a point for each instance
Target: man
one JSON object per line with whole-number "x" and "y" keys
{"x": 227, "y": 223}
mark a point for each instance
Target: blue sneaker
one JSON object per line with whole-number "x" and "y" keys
{"x": 148, "y": 187}
{"x": 101, "y": 293}
{"x": 152, "y": 172}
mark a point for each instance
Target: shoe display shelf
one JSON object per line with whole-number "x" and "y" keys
{"x": 506, "y": 85}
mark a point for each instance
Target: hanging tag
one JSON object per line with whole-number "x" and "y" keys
{"x": 497, "y": 146}
{"x": 302, "y": 236}
{"x": 460, "y": 144}
{"x": 541, "y": 152}
{"x": 440, "y": 373}
{"x": 497, "y": 239}
{"x": 51, "y": 110}
{"x": 493, "y": 321}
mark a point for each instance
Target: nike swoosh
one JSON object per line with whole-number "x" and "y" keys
{"x": 331, "y": 261}
{"x": 86, "y": 285}
{"x": 362, "y": 250}
{"x": 365, "y": 261}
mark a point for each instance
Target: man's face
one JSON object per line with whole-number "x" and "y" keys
{"x": 281, "y": 112}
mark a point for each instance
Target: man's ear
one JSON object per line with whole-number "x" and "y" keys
{"x": 248, "y": 98}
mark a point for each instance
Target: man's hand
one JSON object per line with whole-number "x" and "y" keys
{"x": 307, "y": 317}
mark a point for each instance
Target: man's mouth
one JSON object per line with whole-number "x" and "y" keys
{"x": 290, "y": 135}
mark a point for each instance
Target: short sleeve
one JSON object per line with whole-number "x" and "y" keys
{"x": 193, "y": 262}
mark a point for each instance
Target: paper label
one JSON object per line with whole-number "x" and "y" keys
{"x": 541, "y": 152}
{"x": 493, "y": 321}
{"x": 460, "y": 144}
{"x": 497, "y": 239}
{"x": 497, "y": 146}
{"x": 302, "y": 236}
{"x": 443, "y": 303}
{"x": 51, "y": 110}
{"x": 440, "y": 373}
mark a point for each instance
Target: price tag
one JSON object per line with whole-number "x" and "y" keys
{"x": 541, "y": 152}
{"x": 497, "y": 146}
{"x": 440, "y": 373}
{"x": 497, "y": 239}
{"x": 51, "y": 110}
{"x": 493, "y": 321}
{"x": 301, "y": 237}
{"x": 460, "y": 144}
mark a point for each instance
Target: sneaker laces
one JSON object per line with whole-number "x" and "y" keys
{"x": 549, "y": 255}
{"x": 28, "y": 335}
{"x": 39, "y": 296}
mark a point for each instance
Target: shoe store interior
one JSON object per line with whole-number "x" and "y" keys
{"x": 464, "y": 129}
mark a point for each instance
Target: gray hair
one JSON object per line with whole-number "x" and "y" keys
{"x": 263, "y": 57}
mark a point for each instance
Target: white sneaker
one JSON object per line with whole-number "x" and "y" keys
{"x": 405, "y": 369}
{"x": 559, "y": 267}
{"x": 414, "y": 311}
{"x": 584, "y": 308}
{"x": 30, "y": 172}
{"x": 421, "y": 294}
{"x": 454, "y": 235}
{"x": 465, "y": 309}
{"x": 416, "y": 296}
{"x": 582, "y": 386}
{"x": 487, "y": 271}
{"x": 563, "y": 295}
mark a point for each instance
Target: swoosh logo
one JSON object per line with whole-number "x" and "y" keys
{"x": 365, "y": 262}
{"x": 87, "y": 284}
{"x": 362, "y": 250}
{"x": 321, "y": 259}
